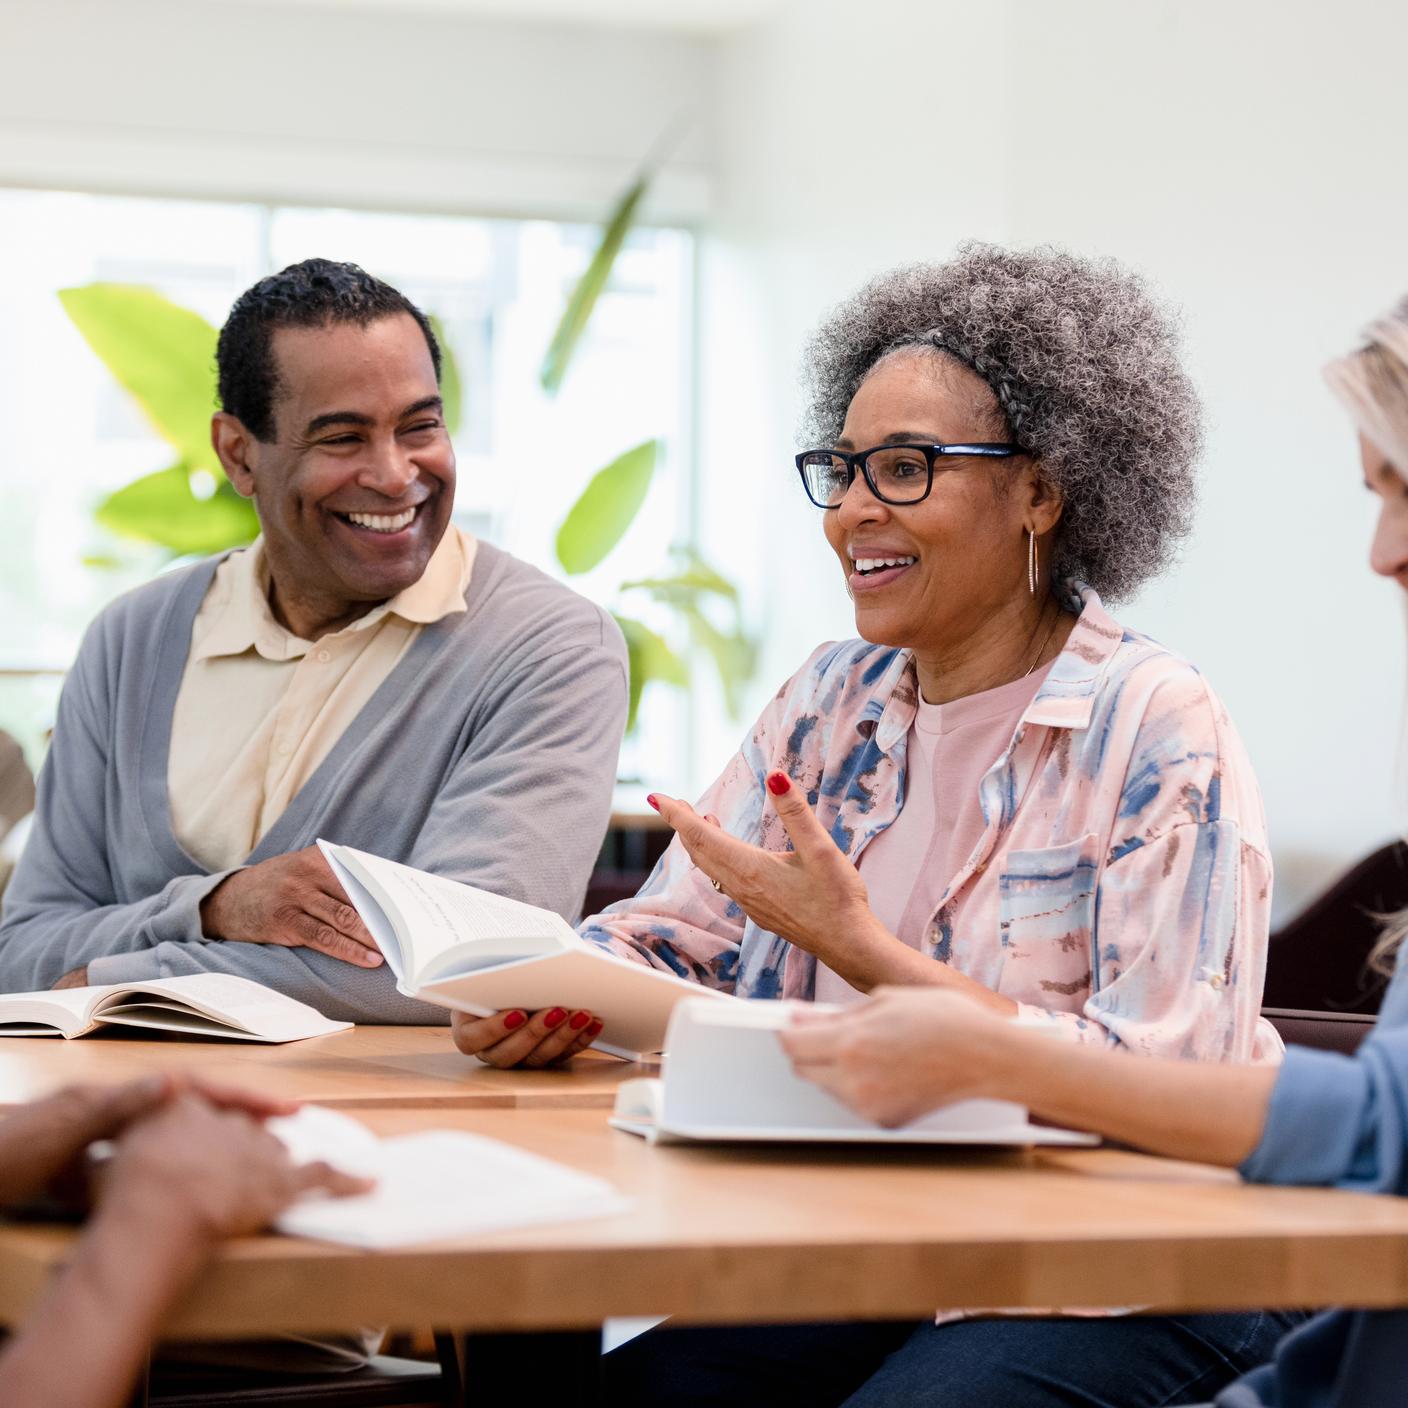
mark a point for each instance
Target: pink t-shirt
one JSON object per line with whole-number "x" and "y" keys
{"x": 906, "y": 868}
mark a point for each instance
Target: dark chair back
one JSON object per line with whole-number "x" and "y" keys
{"x": 1318, "y": 963}
{"x": 1325, "y": 1031}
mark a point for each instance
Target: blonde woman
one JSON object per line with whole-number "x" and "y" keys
{"x": 1320, "y": 1118}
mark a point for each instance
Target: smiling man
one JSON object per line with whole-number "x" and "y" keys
{"x": 365, "y": 672}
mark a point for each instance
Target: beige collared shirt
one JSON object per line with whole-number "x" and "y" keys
{"x": 259, "y": 708}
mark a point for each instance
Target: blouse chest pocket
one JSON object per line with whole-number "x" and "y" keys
{"x": 1046, "y": 923}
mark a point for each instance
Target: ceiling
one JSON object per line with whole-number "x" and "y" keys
{"x": 678, "y": 16}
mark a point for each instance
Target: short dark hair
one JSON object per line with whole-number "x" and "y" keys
{"x": 312, "y": 294}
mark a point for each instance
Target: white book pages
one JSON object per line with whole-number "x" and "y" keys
{"x": 62, "y": 1013}
{"x": 429, "y": 926}
{"x": 199, "y": 1004}
{"x": 434, "y": 1185}
{"x": 231, "y": 1006}
{"x": 726, "y": 1077}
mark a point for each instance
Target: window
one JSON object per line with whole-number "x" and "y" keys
{"x": 497, "y": 286}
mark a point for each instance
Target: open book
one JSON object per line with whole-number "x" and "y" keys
{"x": 431, "y": 1186}
{"x": 199, "y": 1004}
{"x": 728, "y": 1079}
{"x": 477, "y": 952}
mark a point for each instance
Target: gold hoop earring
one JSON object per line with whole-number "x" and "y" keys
{"x": 1031, "y": 561}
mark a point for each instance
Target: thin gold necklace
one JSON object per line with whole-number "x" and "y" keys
{"x": 1051, "y": 631}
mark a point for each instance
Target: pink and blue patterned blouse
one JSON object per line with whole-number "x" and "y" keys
{"x": 1120, "y": 889}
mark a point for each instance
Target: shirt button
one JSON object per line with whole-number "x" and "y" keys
{"x": 1216, "y": 980}
{"x": 324, "y": 656}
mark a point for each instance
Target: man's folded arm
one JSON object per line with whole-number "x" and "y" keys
{"x": 60, "y": 909}
{"x": 522, "y": 814}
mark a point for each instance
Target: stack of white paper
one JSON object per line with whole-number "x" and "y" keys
{"x": 435, "y": 1185}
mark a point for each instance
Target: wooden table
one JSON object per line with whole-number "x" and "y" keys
{"x": 367, "y": 1068}
{"x": 787, "y": 1233}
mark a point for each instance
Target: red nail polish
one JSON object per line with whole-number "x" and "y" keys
{"x": 778, "y": 783}
{"x": 594, "y": 1030}
{"x": 556, "y": 1017}
{"x": 650, "y": 798}
{"x": 514, "y": 1020}
{"x": 580, "y": 1021}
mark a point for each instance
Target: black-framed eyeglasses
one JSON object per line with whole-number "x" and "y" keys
{"x": 895, "y": 474}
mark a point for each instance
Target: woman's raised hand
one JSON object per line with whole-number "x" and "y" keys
{"x": 901, "y": 1054}
{"x": 811, "y": 895}
{"x": 519, "y": 1038}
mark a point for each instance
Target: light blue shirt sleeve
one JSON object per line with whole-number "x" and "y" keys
{"x": 1339, "y": 1120}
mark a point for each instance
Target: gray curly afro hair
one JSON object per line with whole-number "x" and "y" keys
{"x": 1083, "y": 361}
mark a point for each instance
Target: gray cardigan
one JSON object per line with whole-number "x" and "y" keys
{"x": 487, "y": 755}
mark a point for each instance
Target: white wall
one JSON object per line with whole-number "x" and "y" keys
{"x": 1245, "y": 154}
{"x": 327, "y": 104}
{"x": 1248, "y": 157}
{"x": 813, "y": 193}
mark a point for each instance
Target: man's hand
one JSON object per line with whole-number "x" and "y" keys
{"x": 77, "y": 979}
{"x": 41, "y": 1144}
{"x": 518, "y": 1038}
{"x": 202, "y": 1172}
{"x": 294, "y": 901}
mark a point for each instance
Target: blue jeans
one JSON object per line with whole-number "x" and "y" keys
{"x": 1127, "y": 1361}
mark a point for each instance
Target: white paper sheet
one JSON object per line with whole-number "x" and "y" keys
{"x": 435, "y": 1185}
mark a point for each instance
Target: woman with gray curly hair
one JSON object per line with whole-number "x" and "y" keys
{"x": 1318, "y": 1118}
{"x": 998, "y": 790}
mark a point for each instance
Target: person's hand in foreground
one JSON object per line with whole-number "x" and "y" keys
{"x": 42, "y": 1144}
{"x": 294, "y": 901}
{"x": 518, "y": 1038}
{"x": 188, "y": 1167}
{"x": 903, "y": 1053}
{"x": 812, "y": 895}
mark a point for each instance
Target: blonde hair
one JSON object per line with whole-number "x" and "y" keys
{"x": 1372, "y": 385}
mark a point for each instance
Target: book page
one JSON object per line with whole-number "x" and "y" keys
{"x": 68, "y": 1011}
{"x": 446, "y": 927}
{"x": 237, "y": 1004}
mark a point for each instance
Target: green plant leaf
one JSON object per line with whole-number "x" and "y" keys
{"x": 607, "y": 507}
{"x": 734, "y": 655}
{"x": 650, "y": 659}
{"x": 685, "y": 586}
{"x": 160, "y": 352}
{"x": 589, "y": 288}
{"x": 451, "y": 391}
{"x": 160, "y": 508}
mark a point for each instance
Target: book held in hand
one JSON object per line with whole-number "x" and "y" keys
{"x": 727, "y": 1080}
{"x": 464, "y": 948}
{"x": 198, "y": 1004}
